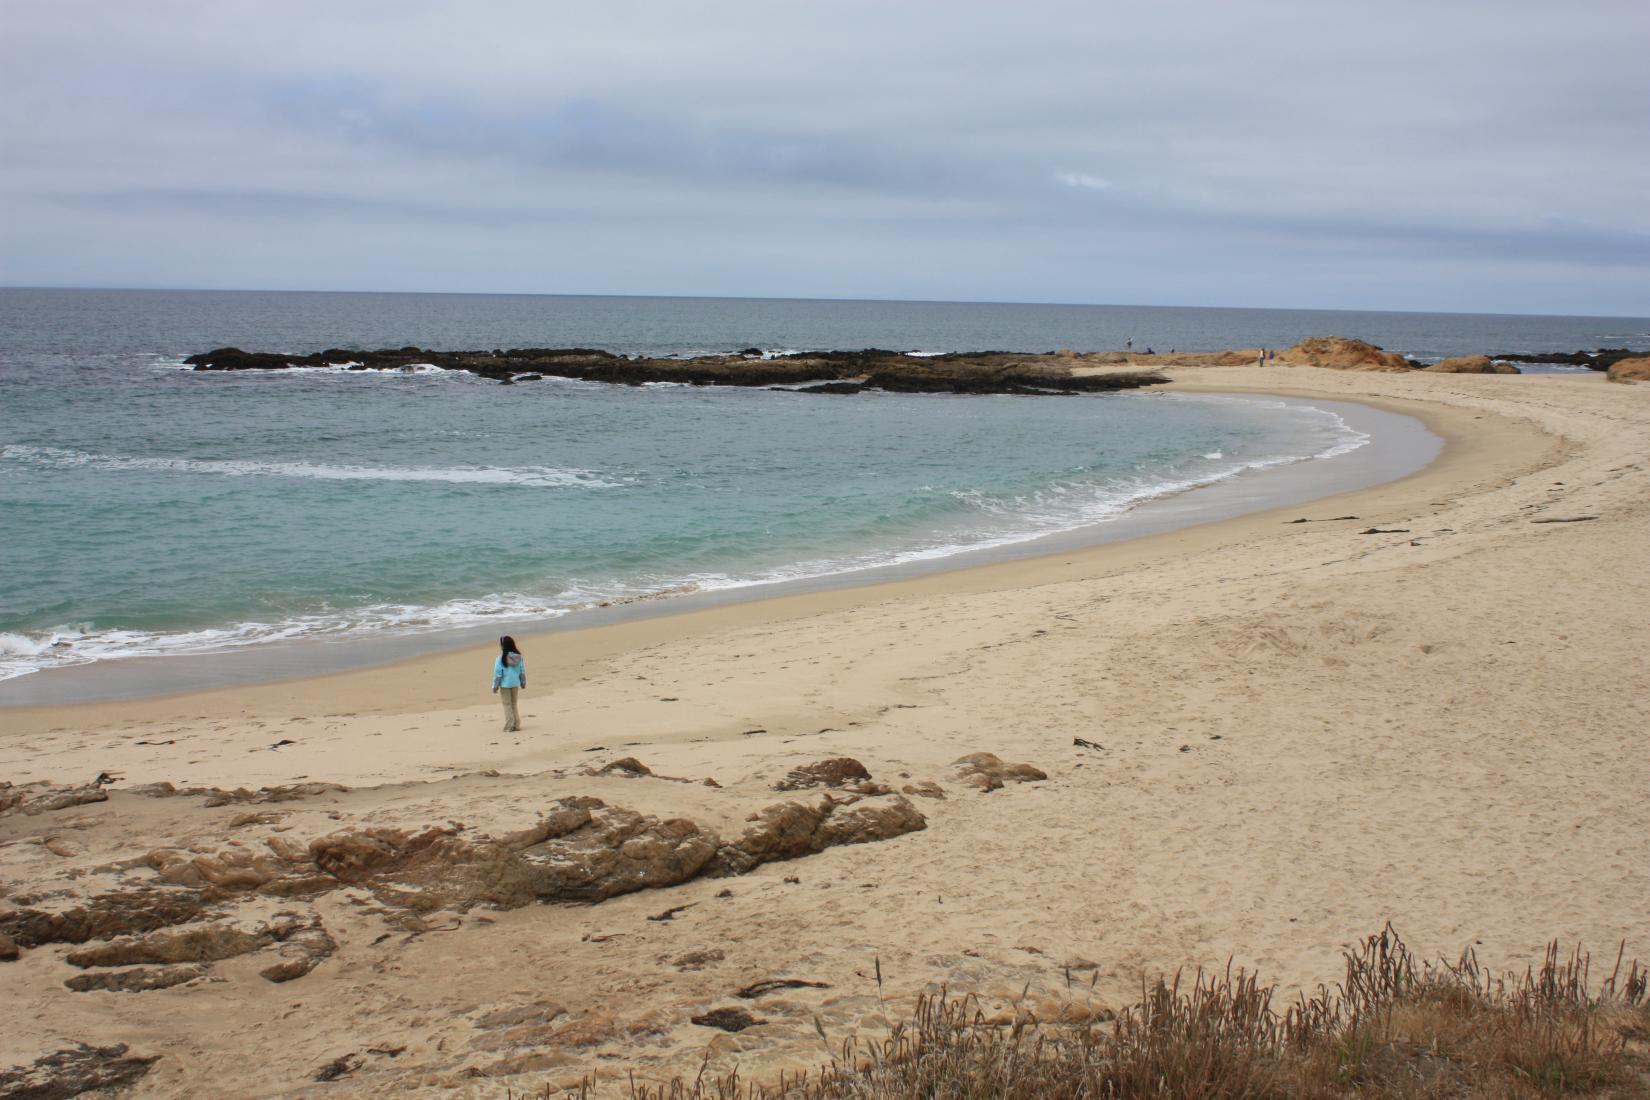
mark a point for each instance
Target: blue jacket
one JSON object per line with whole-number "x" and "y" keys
{"x": 511, "y": 674}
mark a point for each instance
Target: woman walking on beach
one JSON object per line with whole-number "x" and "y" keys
{"x": 509, "y": 677}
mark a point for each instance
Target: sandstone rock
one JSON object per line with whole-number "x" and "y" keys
{"x": 629, "y": 768}
{"x": 61, "y": 847}
{"x": 791, "y": 829}
{"x": 583, "y": 850}
{"x": 288, "y": 850}
{"x": 188, "y": 944}
{"x": 926, "y": 788}
{"x": 139, "y": 979}
{"x": 74, "y": 1071}
{"x": 38, "y": 798}
{"x": 986, "y": 772}
{"x": 528, "y": 1035}
{"x": 1472, "y": 364}
{"x": 8, "y": 949}
{"x": 618, "y": 852}
{"x": 288, "y": 970}
{"x": 116, "y": 913}
{"x": 541, "y": 1013}
{"x": 302, "y": 952}
{"x": 1629, "y": 370}
{"x": 291, "y": 792}
{"x": 837, "y": 772}
{"x": 230, "y": 870}
{"x": 590, "y": 1031}
{"x": 698, "y": 960}
{"x": 1340, "y": 353}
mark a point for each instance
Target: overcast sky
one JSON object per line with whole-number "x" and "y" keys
{"x": 1383, "y": 154}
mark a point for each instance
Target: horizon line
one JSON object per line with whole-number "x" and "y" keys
{"x": 793, "y": 298}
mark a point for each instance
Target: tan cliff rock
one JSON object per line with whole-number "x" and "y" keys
{"x": 1629, "y": 370}
{"x": 1341, "y": 353}
{"x": 1472, "y": 364}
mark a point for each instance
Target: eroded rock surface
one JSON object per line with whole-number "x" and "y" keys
{"x": 74, "y": 1071}
{"x": 138, "y": 979}
{"x": 113, "y": 913}
{"x": 839, "y": 771}
{"x": 988, "y": 773}
{"x": 39, "y": 798}
{"x": 1341, "y": 353}
{"x": 1472, "y": 364}
{"x": 792, "y": 829}
{"x": 194, "y": 943}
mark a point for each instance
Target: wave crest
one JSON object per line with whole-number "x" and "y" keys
{"x": 536, "y": 476}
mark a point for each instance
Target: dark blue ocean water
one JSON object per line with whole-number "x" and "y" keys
{"x": 147, "y": 509}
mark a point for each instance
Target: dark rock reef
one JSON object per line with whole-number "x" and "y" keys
{"x": 834, "y": 372}
{"x": 1602, "y": 359}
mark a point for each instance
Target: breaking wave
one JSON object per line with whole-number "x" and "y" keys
{"x": 539, "y": 476}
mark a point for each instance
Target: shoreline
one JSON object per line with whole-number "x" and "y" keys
{"x": 1397, "y": 446}
{"x": 436, "y": 668}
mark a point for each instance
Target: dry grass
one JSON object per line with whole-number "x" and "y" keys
{"x": 1394, "y": 1029}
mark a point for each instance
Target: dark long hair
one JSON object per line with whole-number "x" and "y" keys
{"x": 506, "y": 646}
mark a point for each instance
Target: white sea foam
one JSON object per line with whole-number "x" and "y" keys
{"x": 79, "y": 644}
{"x": 539, "y": 476}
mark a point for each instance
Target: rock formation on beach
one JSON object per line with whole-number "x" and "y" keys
{"x": 1602, "y": 359}
{"x": 1472, "y": 364}
{"x": 834, "y": 372}
{"x": 1629, "y": 370}
{"x": 1340, "y": 353}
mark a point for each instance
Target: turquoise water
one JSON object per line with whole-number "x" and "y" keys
{"x": 152, "y": 510}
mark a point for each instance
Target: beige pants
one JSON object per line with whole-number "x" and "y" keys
{"x": 512, "y": 720}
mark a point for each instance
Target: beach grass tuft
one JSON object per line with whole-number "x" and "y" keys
{"x": 1394, "y": 1028}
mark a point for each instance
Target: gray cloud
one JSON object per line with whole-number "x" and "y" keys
{"x": 1445, "y": 155}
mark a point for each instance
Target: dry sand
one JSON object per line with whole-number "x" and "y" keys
{"x": 1307, "y": 732}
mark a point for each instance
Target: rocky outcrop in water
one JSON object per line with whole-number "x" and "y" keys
{"x": 1602, "y": 359}
{"x": 835, "y": 372}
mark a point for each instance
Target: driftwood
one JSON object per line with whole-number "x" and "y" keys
{"x": 670, "y": 914}
{"x": 760, "y": 989}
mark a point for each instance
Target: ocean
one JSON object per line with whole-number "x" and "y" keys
{"x": 148, "y": 510}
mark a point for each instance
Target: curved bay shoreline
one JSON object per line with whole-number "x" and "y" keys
{"x": 1294, "y": 733}
{"x": 1395, "y": 446}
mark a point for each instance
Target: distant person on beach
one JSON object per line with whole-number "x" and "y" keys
{"x": 1129, "y": 344}
{"x": 509, "y": 677}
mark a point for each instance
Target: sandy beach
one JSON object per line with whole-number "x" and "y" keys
{"x": 1262, "y": 739}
